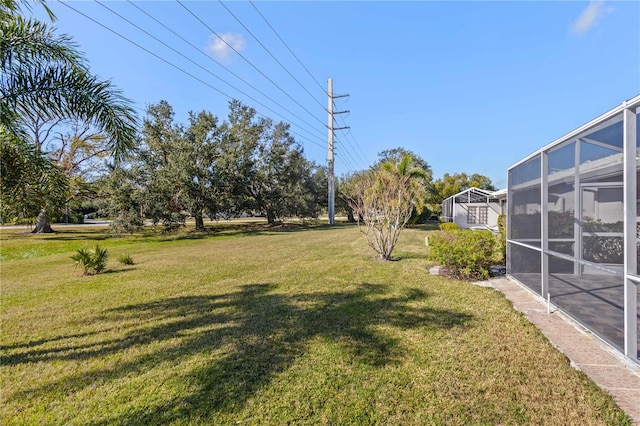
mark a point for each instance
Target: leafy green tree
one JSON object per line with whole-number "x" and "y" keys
{"x": 45, "y": 82}
{"x": 237, "y": 160}
{"x": 396, "y": 155}
{"x": 342, "y": 190}
{"x": 413, "y": 175}
{"x": 245, "y": 164}
{"x": 120, "y": 196}
{"x": 196, "y": 158}
{"x": 420, "y": 213}
{"x": 305, "y": 187}
{"x": 449, "y": 185}
{"x": 314, "y": 189}
{"x": 279, "y": 171}
{"x": 162, "y": 163}
{"x": 262, "y": 168}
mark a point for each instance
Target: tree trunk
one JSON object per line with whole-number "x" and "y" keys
{"x": 271, "y": 217}
{"x": 199, "y": 223}
{"x": 350, "y": 217}
{"x": 42, "y": 224}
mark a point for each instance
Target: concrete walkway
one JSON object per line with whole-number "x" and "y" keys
{"x": 587, "y": 353}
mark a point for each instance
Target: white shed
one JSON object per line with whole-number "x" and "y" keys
{"x": 475, "y": 208}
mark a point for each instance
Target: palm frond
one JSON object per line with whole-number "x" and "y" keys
{"x": 28, "y": 180}
{"x": 63, "y": 90}
{"x": 29, "y": 42}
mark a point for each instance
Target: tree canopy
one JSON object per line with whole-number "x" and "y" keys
{"x": 213, "y": 168}
{"x": 449, "y": 185}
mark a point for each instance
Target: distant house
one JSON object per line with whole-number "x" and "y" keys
{"x": 475, "y": 208}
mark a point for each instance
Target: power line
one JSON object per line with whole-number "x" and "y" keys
{"x": 351, "y": 148}
{"x": 247, "y": 61}
{"x": 348, "y": 163}
{"x": 336, "y": 114}
{"x": 346, "y": 152}
{"x": 347, "y": 136}
{"x": 168, "y": 62}
{"x": 285, "y": 44}
{"x": 221, "y": 65}
{"x": 269, "y": 52}
{"x": 196, "y": 64}
{"x": 350, "y": 134}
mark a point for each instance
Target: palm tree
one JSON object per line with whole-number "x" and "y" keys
{"x": 45, "y": 80}
{"x": 413, "y": 178}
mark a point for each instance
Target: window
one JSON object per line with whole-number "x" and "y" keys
{"x": 471, "y": 216}
{"x": 483, "y": 215}
{"x": 478, "y": 215}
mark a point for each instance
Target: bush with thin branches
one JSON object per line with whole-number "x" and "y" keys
{"x": 383, "y": 201}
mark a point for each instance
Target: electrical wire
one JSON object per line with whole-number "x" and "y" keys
{"x": 346, "y": 152}
{"x": 269, "y": 52}
{"x": 344, "y": 129}
{"x": 218, "y": 63}
{"x": 344, "y": 159}
{"x": 166, "y": 61}
{"x": 285, "y": 44}
{"x": 247, "y": 61}
{"x": 198, "y": 65}
{"x": 348, "y": 134}
{"x": 351, "y": 149}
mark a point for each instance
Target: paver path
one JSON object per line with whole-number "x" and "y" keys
{"x": 587, "y": 353}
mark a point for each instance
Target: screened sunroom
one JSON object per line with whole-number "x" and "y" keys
{"x": 573, "y": 225}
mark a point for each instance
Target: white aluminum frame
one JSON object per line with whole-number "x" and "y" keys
{"x": 631, "y": 165}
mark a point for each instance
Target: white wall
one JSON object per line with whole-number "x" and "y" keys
{"x": 460, "y": 213}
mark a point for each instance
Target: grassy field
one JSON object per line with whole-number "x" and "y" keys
{"x": 285, "y": 326}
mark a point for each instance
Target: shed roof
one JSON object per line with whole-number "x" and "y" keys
{"x": 477, "y": 195}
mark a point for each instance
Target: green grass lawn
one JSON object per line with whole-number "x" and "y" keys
{"x": 286, "y": 326}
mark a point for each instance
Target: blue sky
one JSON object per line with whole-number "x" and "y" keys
{"x": 469, "y": 86}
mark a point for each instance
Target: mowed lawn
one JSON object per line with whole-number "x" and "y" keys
{"x": 285, "y": 326}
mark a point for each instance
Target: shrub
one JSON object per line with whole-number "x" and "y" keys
{"x": 420, "y": 217}
{"x": 75, "y": 217}
{"x": 449, "y": 226}
{"x": 93, "y": 261}
{"x": 126, "y": 259}
{"x": 467, "y": 254}
{"x": 502, "y": 236}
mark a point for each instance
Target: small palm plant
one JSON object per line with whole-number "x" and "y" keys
{"x": 126, "y": 259}
{"x": 93, "y": 261}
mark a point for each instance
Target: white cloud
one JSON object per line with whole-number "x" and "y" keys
{"x": 590, "y": 17}
{"x": 220, "y": 49}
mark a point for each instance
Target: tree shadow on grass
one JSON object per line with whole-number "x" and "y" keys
{"x": 75, "y": 235}
{"x": 256, "y": 334}
{"x": 406, "y": 255}
{"x": 253, "y": 229}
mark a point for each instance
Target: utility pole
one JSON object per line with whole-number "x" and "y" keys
{"x": 330, "y": 156}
